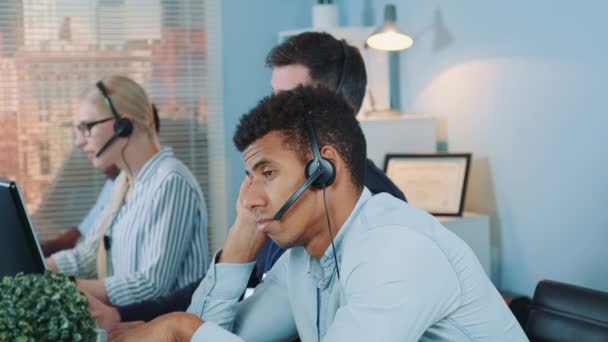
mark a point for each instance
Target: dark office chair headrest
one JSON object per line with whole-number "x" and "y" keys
{"x": 562, "y": 312}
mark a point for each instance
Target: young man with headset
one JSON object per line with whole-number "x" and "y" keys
{"x": 358, "y": 267}
{"x": 309, "y": 58}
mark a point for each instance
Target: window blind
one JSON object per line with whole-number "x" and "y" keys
{"x": 50, "y": 50}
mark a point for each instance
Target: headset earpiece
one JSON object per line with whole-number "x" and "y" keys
{"x": 123, "y": 127}
{"x": 323, "y": 168}
{"x": 326, "y": 178}
{"x": 319, "y": 172}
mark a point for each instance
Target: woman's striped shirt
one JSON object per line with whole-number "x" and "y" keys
{"x": 158, "y": 239}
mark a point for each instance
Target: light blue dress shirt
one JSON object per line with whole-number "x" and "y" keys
{"x": 105, "y": 196}
{"x": 403, "y": 277}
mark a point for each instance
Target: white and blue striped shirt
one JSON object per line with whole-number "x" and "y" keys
{"x": 158, "y": 237}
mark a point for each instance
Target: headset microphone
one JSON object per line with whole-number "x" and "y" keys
{"x": 122, "y": 126}
{"x": 296, "y": 195}
{"x": 107, "y": 144}
{"x": 320, "y": 172}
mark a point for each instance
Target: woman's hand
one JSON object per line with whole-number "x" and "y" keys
{"x": 51, "y": 264}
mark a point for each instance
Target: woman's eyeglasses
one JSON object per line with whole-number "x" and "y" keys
{"x": 85, "y": 127}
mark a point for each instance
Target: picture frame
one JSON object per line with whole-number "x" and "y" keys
{"x": 436, "y": 182}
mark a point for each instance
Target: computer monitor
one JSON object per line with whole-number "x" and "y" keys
{"x": 19, "y": 247}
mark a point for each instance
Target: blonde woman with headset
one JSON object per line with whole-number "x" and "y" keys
{"x": 152, "y": 237}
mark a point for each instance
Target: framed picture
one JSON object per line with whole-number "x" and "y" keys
{"x": 435, "y": 182}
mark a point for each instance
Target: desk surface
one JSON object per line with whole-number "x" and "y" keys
{"x": 465, "y": 215}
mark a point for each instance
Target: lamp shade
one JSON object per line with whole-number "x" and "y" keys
{"x": 388, "y": 37}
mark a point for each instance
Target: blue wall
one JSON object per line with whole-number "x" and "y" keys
{"x": 250, "y": 29}
{"x": 523, "y": 86}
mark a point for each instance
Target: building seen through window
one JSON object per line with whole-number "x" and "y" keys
{"x": 50, "y": 50}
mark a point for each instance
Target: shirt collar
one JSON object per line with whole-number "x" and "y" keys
{"x": 147, "y": 170}
{"x": 327, "y": 262}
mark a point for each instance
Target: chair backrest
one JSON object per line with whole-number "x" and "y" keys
{"x": 562, "y": 312}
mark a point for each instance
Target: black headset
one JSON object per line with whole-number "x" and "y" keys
{"x": 320, "y": 172}
{"x": 122, "y": 127}
{"x": 345, "y": 62}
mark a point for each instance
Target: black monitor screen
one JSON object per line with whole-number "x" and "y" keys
{"x": 19, "y": 251}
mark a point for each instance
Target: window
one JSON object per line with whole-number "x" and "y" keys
{"x": 50, "y": 50}
{"x": 45, "y": 160}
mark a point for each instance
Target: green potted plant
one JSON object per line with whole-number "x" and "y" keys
{"x": 44, "y": 307}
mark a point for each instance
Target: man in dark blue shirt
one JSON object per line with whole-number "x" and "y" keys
{"x": 310, "y": 58}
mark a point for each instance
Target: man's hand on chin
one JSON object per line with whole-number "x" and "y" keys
{"x": 244, "y": 241}
{"x": 174, "y": 327}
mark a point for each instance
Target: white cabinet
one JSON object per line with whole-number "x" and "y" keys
{"x": 411, "y": 133}
{"x": 474, "y": 229}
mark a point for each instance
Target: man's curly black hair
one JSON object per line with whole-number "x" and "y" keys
{"x": 331, "y": 117}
